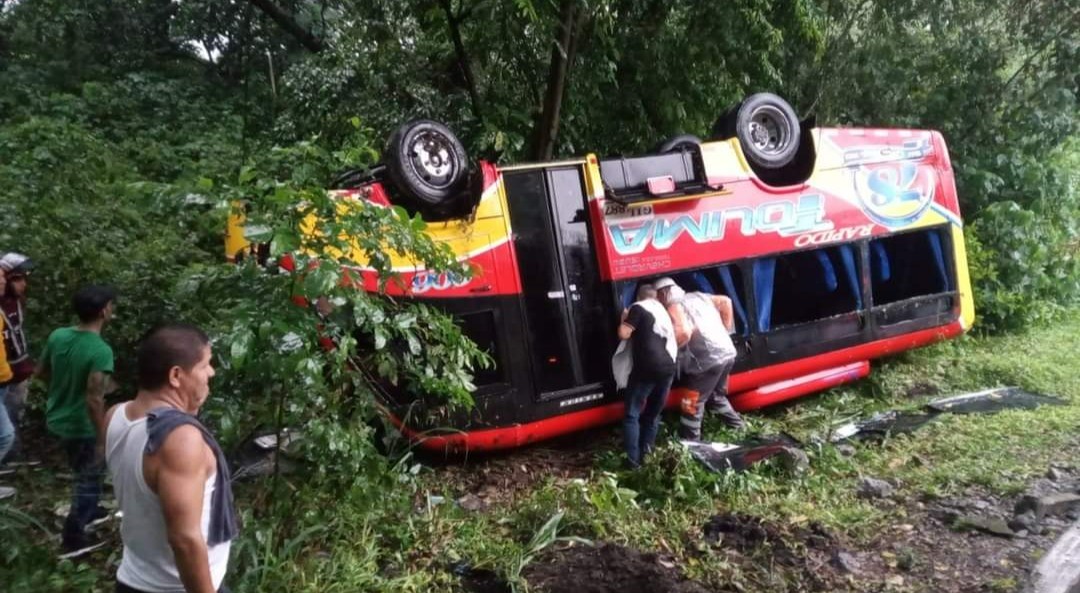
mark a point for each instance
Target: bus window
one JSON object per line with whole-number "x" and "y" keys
{"x": 728, "y": 281}
{"x": 909, "y": 265}
{"x": 806, "y": 286}
{"x": 480, "y": 328}
{"x": 724, "y": 280}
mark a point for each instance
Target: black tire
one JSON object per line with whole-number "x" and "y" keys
{"x": 679, "y": 143}
{"x": 427, "y": 163}
{"x": 768, "y": 130}
{"x": 724, "y": 127}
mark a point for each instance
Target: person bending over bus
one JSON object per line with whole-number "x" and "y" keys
{"x": 702, "y": 324}
{"x": 648, "y": 329}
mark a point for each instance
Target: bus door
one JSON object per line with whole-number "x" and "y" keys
{"x": 565, "y": 314}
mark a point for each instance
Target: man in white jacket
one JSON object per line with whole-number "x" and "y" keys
{"x": 647, "y": 328}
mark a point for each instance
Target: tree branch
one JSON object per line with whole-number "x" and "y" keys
{"x": 287, "y": 22}
{"x": 454, "y": 23}
{"x": 547, "y": 130}
{"x": 1068, "y": 27}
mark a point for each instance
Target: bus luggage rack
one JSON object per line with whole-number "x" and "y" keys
{"x": 639, "y": 179}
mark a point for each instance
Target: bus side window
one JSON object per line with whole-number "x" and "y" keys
{"x": 806, "y": 286}
{"x": 480, "y": 327}
{"x": 729, "y": 283}
{"x": 910, "y": 265}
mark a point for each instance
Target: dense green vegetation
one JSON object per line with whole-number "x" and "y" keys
{"x": 126, "y": 127}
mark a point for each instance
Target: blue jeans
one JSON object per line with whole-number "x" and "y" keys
{"x": 645, "y": 398}
{"x": 7, "y": 429}
{"x": 86, "y": 492}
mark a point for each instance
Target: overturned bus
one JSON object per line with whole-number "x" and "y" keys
{"x": 835, "y": 245}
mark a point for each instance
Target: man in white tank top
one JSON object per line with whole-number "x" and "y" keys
{"x": 166, "y": 495}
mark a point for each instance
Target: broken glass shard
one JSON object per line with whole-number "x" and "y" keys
{"x": 720, "y": 457}
{"x": 993, "y": 400}
{"x": 882, "y": 425}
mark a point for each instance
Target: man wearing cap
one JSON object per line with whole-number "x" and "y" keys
{"x": 702, "y": 323}
{"x": 16, "y": 268}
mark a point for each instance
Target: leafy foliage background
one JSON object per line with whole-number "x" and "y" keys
{"x": 127, "y": 128}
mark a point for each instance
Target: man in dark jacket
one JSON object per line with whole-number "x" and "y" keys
{"x": 652, "y": 347}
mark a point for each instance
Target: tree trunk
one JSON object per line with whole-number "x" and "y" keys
{"x": 454, "y": 22}
{"x": 547, "y": 130}
{"x": 287, "y": 22}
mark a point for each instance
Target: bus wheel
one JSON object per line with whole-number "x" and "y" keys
{"x": 768, "y": 130}
{"x": 426, "y": 162}
{"x": 679, "y": 143}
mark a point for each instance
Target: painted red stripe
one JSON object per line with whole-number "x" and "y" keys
{"x": 517, "y": 435}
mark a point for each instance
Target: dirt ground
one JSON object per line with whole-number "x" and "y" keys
{"x": 606, "y": 568}
{"x": 501, "y": 477}
{"x": 924, "y": 550}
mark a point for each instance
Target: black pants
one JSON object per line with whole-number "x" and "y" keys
{"x": 122, "y": 588}
{"x": 86, "y": 490}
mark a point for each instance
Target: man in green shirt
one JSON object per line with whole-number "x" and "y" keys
{"x": 77, "y": 363}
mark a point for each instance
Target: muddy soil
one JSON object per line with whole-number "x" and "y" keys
{"x": 928, "y": 552}
{"x": 607, "y": 568}
{"x": 801, "y": 556}
{"x": 502, "y": 477}
{"x": 921, "y": 550}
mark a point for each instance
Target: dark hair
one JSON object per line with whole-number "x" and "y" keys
{"x": 167, "y": 346}
{"x": 89, "y": 301}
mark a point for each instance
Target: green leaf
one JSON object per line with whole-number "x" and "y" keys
{"x": 285, "y": 241}
{"x": 238, "y": 350}
{"x": 258, "y": 233}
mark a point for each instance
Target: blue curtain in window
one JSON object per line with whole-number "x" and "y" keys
{"x": 939, "y": 260}
{"x": 729, "y": 288}
{"x": 881, "y": 269}
{"x": 628, "y": 292}
{"x": 764, "y": 270}
{"x": 828, "y": 273}
{"x": 698, "y": 282}
{"x": 847, "y": 255}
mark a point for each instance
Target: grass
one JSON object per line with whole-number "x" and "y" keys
{"x": 663, "y": 506}
{"x": 386, "y": 537}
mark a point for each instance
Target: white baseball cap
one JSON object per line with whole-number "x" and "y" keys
{"x": 663, "y": 283}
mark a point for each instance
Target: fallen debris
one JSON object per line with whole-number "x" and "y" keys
{"x": 471, "y": 502}
{"x": 992, "y": 525}
{"x": 882, "y": 425}
{"x": 993, "y": 400}
{"x": 1025, "y": 521}
{"x": 261, "y": 455}
{"x": 874, "y": 488}
{"x": 1059, "y": 570}
{"x": 845, "y": 562}
{"x": 1058, "y": 503}
{"x": 846, "y": 450}
{"x": 720, "y": 457}
{"x": 1054, "y": 474}
{"x": 83, "y": 551}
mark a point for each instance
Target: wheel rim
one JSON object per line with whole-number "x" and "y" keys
{"x": 769, "y": 131}
{"x": 431, "y": 157}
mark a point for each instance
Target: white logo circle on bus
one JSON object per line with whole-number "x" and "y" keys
{"x": 894, "y": 194}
